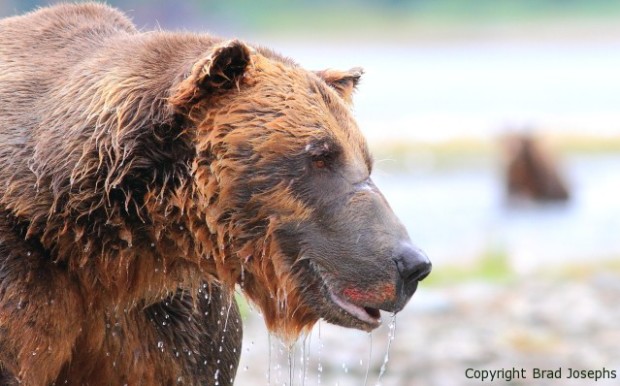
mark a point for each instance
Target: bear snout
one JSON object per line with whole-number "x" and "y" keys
{"x": 413, "y": 266}
{"x": 412, "y": 263}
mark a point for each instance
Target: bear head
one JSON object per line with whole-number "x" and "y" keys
{"x": 282, "y": 181}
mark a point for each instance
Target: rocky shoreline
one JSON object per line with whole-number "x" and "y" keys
{"x": 559, "y": 327}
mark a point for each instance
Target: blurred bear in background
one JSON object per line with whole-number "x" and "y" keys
{"x": 532, "y": 172}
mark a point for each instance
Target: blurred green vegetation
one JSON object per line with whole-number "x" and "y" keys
{"x": 407, "y": 155}
{"x": 582, "y": 144}
{"x": 347, "y": 12}
{"x": 492, "y": 266}
{"x": 404, "y": 155}
{"x": 317, "y": 16}
{"x": 584, "y": 270}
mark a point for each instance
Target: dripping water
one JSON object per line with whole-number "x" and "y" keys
{"x": 278, "y": 367}
{"x": 230, "y": 303}
{"x": 391, "y": 332}
{"x": 320, "y": 352}
{"x": 291, "y": 363}
{"x": 269, "y": 341}
{"x": 305, "y": 357}
{"x": 369, "y": 358}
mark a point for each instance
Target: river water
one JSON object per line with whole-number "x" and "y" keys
{"x": 459, "y": 214}
{"x": 441, "y": 90}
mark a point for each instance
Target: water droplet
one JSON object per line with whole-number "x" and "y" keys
{"x": 391, "y": 334}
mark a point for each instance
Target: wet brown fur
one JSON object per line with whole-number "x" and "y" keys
{"x": 120, "y": 195}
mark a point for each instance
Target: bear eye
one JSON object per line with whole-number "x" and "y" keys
{"x": 319, "y": 163}
{"x": 323, "y": 154}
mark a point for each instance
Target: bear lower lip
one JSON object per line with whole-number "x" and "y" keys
{"x": 367, "y": 315}
{"x": 348, "y": 315}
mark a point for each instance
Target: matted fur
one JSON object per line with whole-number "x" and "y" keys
{"x": 146, "y": 175}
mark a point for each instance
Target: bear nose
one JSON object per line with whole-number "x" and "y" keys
{"x": 413, "y": 264}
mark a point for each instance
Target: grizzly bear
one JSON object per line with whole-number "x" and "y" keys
{"x": 531, "y": 171}
{"x": 147, "y": 175}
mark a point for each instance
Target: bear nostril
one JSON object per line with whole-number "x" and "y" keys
{"x": 412, "y": 263}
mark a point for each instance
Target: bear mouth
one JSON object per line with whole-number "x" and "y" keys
{"x": 336, "y": 309}
{"x": 368, "y": 315}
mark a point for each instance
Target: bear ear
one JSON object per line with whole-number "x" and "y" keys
{"x": 222, "y": 69}
{"x": 344, "y": 82}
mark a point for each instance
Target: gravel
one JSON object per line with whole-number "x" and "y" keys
{"x": 533, "y": 322}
